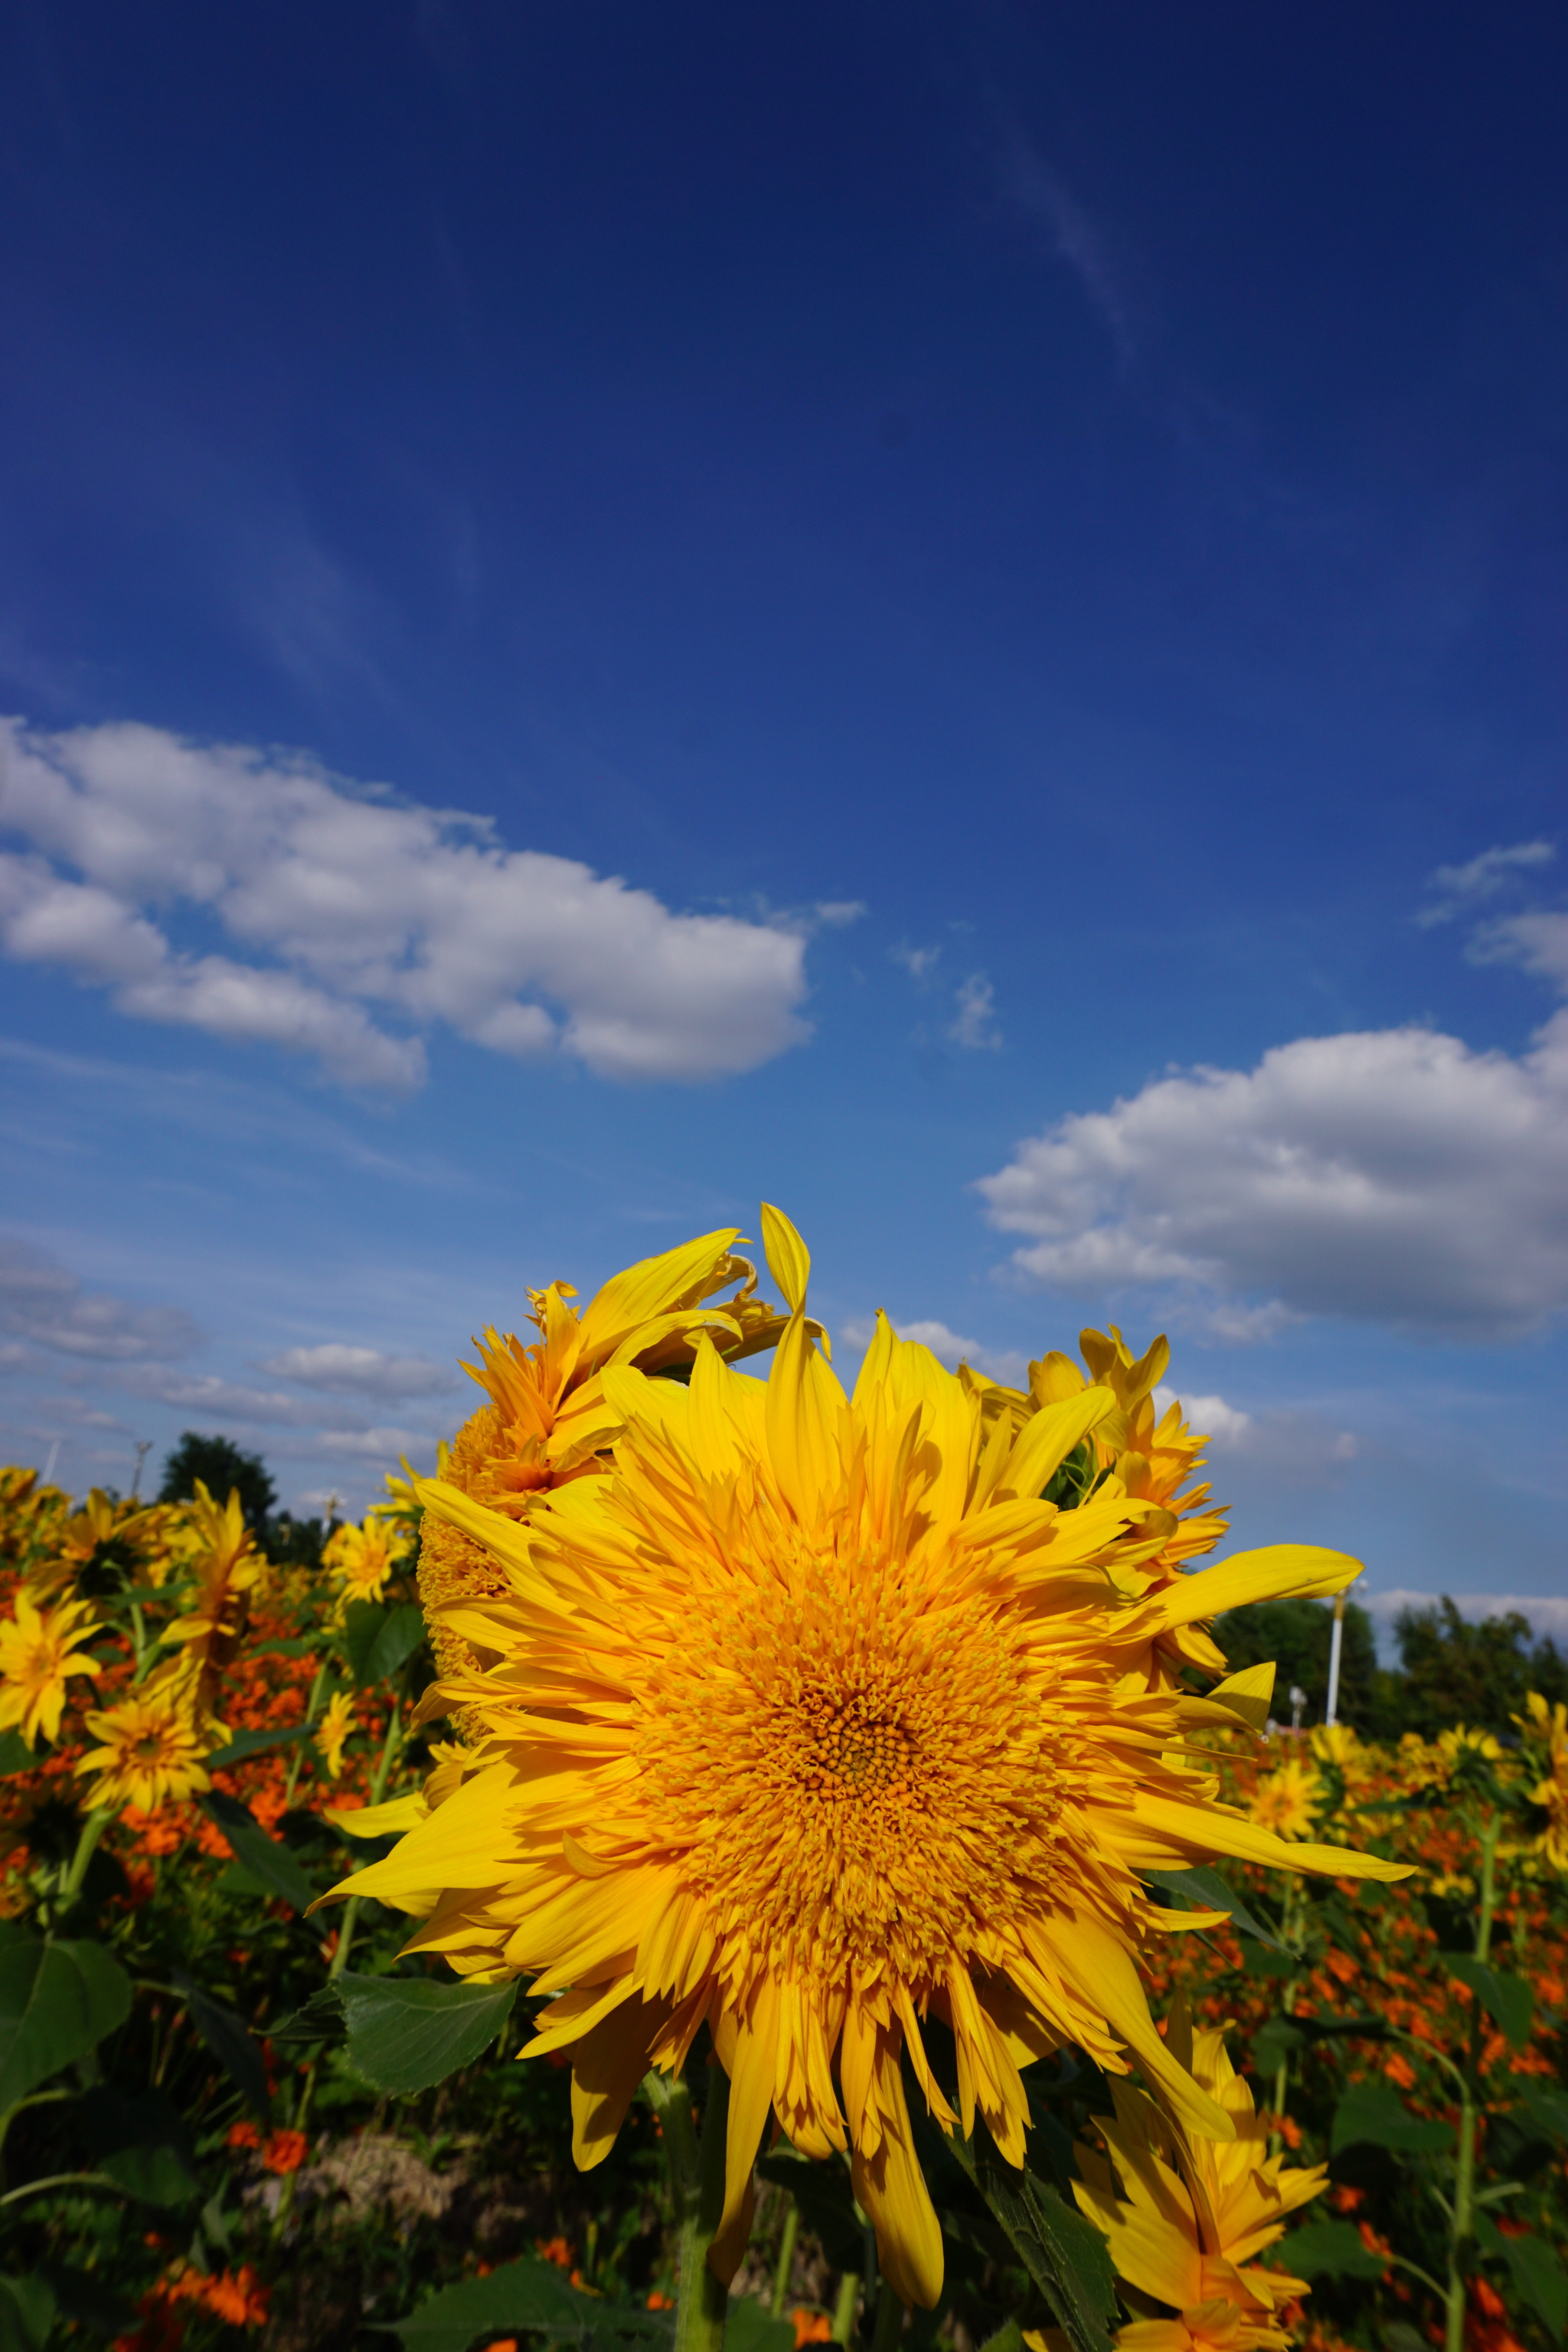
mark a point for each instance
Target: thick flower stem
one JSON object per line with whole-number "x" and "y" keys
{"x": 845, "y": 2309}
{"x": 92, "y": 1829}
{"x": 701, "y": 2300}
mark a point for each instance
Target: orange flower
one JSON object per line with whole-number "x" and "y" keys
{"x": 1399, "y": 2070}
{"x": 555, "y": 2250}
{"x": 811, "y": 2326}
{"x": 244, "y": 2135}
{"x": 285, "y": 2151}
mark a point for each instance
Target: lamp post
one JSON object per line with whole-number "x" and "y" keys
{"x": 1336, "y": 1644}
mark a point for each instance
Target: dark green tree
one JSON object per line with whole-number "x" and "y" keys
{"x": 1455, "y": 1670}
{"x": 220, "y": 1464}
{"x": 1296, "y": 1635}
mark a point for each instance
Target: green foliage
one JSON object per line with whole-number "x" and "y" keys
{"x": 1457, "y": 1671}
{"x": 220, "y": 1464}
{"x": 1296, "y": 1636}
{"x": 405, "y": 2033}
{"x": 57, "y": 2001}
{"x": 1375, "y": 2112}
{"x": 526, "y": 2297}
{"x": 1326, "y": 2250}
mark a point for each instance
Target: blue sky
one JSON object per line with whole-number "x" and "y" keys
{"x": 952, "y": 616}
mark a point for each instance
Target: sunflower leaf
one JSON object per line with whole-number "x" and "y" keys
{"x": 1064, "y": 2254}
{"x": 1327, "y": 2250}
{"x": 1375, "y": 2112}
{"x": 406, "y": 2035}
{"x": 1205, "y": 1890}
{"x": 57, "y": 2002}
{"x": 1508, "y": 2000}
{"x": 263, "y": 1855}
{"x": 229, "y": 2039}
{"x": 524, "y": 2297}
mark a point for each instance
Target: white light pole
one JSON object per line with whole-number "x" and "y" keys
{"x": 1336, "y": 1642}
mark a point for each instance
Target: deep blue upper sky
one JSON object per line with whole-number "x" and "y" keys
{"x": 1085, "y": 487}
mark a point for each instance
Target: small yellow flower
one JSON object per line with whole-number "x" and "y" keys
{"x": 152, "y": 1752}
{"x": 39, "y": 1654}
{"x": 1546, "y": 1728}
{"x": 1288, "y": 1800}
{"x": 361, "y": 1559}
{"x": 332, "y": 1731}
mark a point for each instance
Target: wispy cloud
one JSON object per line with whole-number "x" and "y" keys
{"x": 918, "y": 962}
{"x": 974, "y": 1025}
{"x": 1073, "y": 235}
{"x": 340, "y": 1370}
{"x": 43, "y": 1302}
{"x": 950, "y": 1348}
{"x": 1460, "y": 889}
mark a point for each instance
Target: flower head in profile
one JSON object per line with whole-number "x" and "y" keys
{"x": 813, "y": 1722}
{"x": 74, "y": 1541}
{"x": 1194, "y": 2213}
{"x": 1545, "y": 1730}
{"x": 362, "y": 1558}
{"x": 333, "y": 1730}
{"x": 1288, "y": 1800}
{"x": 229, "y": 1568}
{"x": 548, "y": 1419}
{"x": 40, "y": 1650}
{"x": 1153, "y": 1455}
{"x": 150, "y": 1749}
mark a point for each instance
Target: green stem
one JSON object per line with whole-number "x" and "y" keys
{"x": 1461, "y": 2227}
{"x": 92, "y": 1829}
{"x": 845, "y": 2308}
{"x": 311, "y": 1703}
{"x": 389, "y": 1748}
{"x": 62, "y": 2180}
{"x": 889, "y": 2324}
{"x": 785, "y": 2264}
{"x": 701, "y": 2300}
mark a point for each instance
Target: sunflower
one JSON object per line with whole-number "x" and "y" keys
{"x": 333, "y": 1730}
{"x": 1287, "y": 1799}
{"x": 39, "y": 1652}
{"x": 1196, "y": 2212}
{"x": 548, "y": 1419}
{"x": 1546, "y": 1731}
{"x": 152, "y": 1750}
{"x": 362, "y": 1558}
{"x": 810, "y": 1721}
{"x": 229, "y": 1568}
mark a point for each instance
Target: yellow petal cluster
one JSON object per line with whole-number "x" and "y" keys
{"x": 360, "y": 1559}
{"x": 229, "y": 1568}
{"x": 1546, "y": 1733}
{"x": 811, "y": 1720}
{"x": 1288, "y": 1799}
{"x": 40, "y": 1650}
{"x": 548, "y": 1419}
{"x": 332, "y": 1731}
{"x": 1195, "y": 2213}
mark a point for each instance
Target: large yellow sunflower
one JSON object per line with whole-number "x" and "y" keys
{"x": 812, "y": 1721}
{"x": 39, "y": 1652}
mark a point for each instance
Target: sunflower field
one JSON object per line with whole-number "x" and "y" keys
{"x": 907, "y": 1924}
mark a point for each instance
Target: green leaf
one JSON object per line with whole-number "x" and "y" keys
{"x": 1064, "y": 2254}
{"x": 255, "y": 1743}
{"x": 81, "y": 2296}
{"x": 1508, "y": 2000}
{"x": 1375, "y": 2113}
{"x": 57, "y": 2002}
{"x": 265, "y": 1857}
{"x": 527, "y": 2295}
{"x": 1274, "y": 2043}
{"x": 152, "y": 2175}
{"x": 26, "y": 2314}
{"x": 750, "y": 2326}
{"x": 1538, "y": 2279}
{"x": 321, "y": 2019}
{"x": 377, "y": 1640}
{"x": 16, "y": 1756}
{"x": 1267, "y": 1960}
{"x": 228, "y": 2038}
{"x": 1205, "y": 1890}
{"x": 405, "y": 2033}
{"x": 1547, "y": 2109}
{"x": 1325, "y": 2250}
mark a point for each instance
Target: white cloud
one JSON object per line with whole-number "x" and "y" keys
{"x": 916, "y": 962}
{"x": 1224, "y": 1424}
{"x": 42, "y": 1301}
{"x": 1006, "y": 1364}
{"x": 1547, "y": 1614}
{"x": 975, "y": 1026}
{"x": 837, "y": 914}
{"x": 1461, "y": 888}
{"x": 1394, "y": 1176}
{"x": 210, "y": 1393}
{"x": 386, "y": 1446}
{"x": 366, "y": 1371}
{"x": 352, "y": 901}
{"x": 1538, "y": 941}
